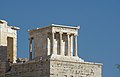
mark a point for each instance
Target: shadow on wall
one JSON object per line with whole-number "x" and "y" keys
{"x": 3, "y": 53}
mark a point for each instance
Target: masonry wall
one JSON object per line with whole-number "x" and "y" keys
{"x": 74, "y": 69}
{"x": 3, "y": 53}
{"x": 4, "y": 67}
{"x": 31, "y": 69}
{"x": 55, "y": 68}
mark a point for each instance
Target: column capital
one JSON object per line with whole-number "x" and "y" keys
{"x": 68, "y": 33}
{"x": 75, "y": 34}
{"x": 60, "y": 32}
{"x": 53, "y": 32}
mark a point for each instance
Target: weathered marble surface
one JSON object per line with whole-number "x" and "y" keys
{"x": 8, "y": 39}
{"x": 55, "y": 41}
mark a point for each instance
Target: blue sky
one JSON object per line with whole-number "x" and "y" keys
{"x": 99, "y": 36}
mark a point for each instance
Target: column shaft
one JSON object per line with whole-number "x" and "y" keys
{"x": 75, "y": 45}
{"x": 71, "y": 45}
{"x": 61, "y": 52}
{"x": 68, "y": 44}
{"x": 53, "y": 48}
{"x": 14, "y": 50}
{"x": 48, "y": 45}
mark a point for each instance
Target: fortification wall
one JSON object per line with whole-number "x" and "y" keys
{"x": 4, "y": 67}
{"x": 3, "y": 53}
{"x": 30, "y": 69}
{"x": 74, "y": 69}
{"x": 55, "y": 68}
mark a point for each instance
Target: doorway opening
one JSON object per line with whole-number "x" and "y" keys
{"x": 10, "y": 49}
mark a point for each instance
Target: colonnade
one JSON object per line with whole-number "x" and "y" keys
{"x": 71, "y": 45}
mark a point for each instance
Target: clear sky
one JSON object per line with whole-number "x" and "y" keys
{"x": 99, "y": 36}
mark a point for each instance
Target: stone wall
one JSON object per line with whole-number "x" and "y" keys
{"x": 4, "y": 67}
{"x": 30, "y": 69}
{"x": 55, "y": 68}
{"x": 3, "y": 53}
{"x": 74, "y": 69}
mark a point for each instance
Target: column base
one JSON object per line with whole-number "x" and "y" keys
{"x": 66, "y": 58}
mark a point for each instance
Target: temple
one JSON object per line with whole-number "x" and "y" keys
{"x": 55, "y": 41}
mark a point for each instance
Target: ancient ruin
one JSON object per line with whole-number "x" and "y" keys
{"x": 52, "y": 53}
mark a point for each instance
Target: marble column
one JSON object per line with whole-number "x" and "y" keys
{"x": 48, "y": 44}
{"x": 61, "y": 50}
{"x": 68, "y": 44}
{"x": 75, "y": 45}
{"x": 71, "y": 45}
{"x": 53, "y": 47}
{"x": 30, "y": 49}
